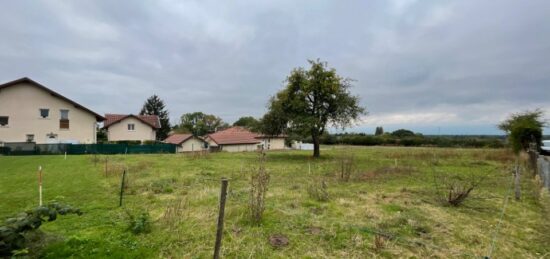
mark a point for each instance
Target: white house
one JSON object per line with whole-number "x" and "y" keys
{"x": 187, "y": 142}
{"x": 31, "y": 112}
{"x": 129, "y": 127}
{"x": 237, "y": 139}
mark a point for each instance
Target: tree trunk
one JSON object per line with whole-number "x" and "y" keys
{"x": 316, "y": 151}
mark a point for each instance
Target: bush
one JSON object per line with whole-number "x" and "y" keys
{"x": 139, "y": 224}
{"x": 12, "y": 233}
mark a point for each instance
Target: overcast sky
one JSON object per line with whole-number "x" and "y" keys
{"x": 449, "y": 67}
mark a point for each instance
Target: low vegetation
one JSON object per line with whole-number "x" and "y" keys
{"x": 390, "y": 206}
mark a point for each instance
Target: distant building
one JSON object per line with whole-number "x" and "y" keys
{"x": 238, "y": 139}
{"x": 187, "y": 142}
{"x": 129, "y": 127}
{"x": 31, "y": 112}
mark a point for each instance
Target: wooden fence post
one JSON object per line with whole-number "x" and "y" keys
{"x": 517, "y": 182}
{"x": 40, "y": 186}
{"x": 219, "y": 232}
{"x": 122, "y": 187}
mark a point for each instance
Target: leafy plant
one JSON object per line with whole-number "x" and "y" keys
{"x": 139, "y": 224}
{"x": 12, "y": 238}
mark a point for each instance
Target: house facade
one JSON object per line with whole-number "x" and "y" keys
{"x": 187, "y": 143}
{"x": 31, "y": 112}
{"x": 239, "y": 139}
{"x": 129, "y": 127}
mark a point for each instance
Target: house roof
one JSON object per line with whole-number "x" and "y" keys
{"x": 151, "y": 120}
{"x": 179, "y": 138}
{"x": 52, "y": 92}
{"x": 234, "y": 135}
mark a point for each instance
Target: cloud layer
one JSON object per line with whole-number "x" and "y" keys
{"x": 457, "y": 65}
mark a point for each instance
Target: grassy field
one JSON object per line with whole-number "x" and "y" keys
{"x": 389, "y": 208}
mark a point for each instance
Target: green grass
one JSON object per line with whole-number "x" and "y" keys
{"x": 391, "y": 193}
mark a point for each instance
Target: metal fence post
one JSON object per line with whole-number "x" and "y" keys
{"x": 122, "y": 187}
{"x": 219, "y": 232}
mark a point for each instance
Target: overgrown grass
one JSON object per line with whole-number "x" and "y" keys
{"x": 388, "y": 208}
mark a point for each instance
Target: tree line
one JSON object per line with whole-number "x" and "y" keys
{"x": 317, "y": 98}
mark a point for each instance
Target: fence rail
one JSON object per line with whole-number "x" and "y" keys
{"x": 20, "y": 149}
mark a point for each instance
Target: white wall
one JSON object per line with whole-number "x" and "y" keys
{"x": 22, "y": 103}
{"x": 119, "y": 131}
{"x": 193, "y": 144}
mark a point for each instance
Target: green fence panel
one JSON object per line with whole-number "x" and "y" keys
{"x": 80, "y": 149}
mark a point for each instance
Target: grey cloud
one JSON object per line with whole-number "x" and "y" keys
{"x": 461, "y": 57}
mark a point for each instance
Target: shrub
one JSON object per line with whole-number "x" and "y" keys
{"x": 12, "y": 233}
{"x": 259, "y": 182}
{"x": 139, "y": 224}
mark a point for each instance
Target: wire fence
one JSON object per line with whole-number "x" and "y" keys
{"x": 30, "y": 148}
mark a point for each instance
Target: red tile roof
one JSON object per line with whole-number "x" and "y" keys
{"x": 52, "y": 92}
{"x": 178, "y": 138}
{"x": 151, "y": 120}
{"x": 234, "y": 135}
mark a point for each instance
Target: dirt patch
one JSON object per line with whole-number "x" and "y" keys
{"x": 383, "y": 172}
{"x": 278, "y": 240}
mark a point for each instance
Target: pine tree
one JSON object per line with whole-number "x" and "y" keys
{"x": 155, "y": 106}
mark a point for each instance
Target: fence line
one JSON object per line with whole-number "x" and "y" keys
{"x": 80, "y": 149}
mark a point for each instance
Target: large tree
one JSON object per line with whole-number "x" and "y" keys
{"x": 523, "y": 129}
{"x": 312, "y": 100}
{"x": 199, "y": 123}
{"x": 155, "y": 106}
{"x": 248, "y": 122}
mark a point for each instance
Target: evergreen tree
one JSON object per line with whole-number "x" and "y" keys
{"x": 379, "y": 131}
{"x": 155, "y": 106}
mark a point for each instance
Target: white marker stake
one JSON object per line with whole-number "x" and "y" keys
{"x": 65, "y": 155}
{"x": 40, "y": 185}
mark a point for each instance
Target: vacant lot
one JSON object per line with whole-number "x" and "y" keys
{"x": 390, "y": 207}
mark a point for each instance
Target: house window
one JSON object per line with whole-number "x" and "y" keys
{"x": 4, "y": 120}
{"x": 30, "y": 137}
{"x": 64, "y": 119}
{"x": 131, "y": 127}
{"x": 44, "y": 113}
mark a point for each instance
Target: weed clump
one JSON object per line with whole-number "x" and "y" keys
{"x": 455, "y": 189}
{"x": 259, "y": 181}
{"x": 346, "y": 166}
{"x": 162, "y": 185}
{"x": 318, "y": 190}
{"x": 139, "y": 224}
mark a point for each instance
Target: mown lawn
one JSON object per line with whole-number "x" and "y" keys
{"x": 391, "y": 195}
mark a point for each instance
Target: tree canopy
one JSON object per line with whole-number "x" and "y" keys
{"x": 403, "y": 133}
{"x": 524, "y": 128}
{"x": 155, "y": 106}
{"x": 248, "y": 122}
{"x": 312, "y": 100}
{"x": 199, "y": 123}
